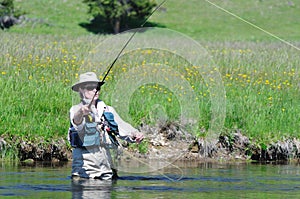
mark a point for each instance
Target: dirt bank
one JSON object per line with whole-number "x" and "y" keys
{"x": 170, "y": 141}
{"x": 167, "y": 141}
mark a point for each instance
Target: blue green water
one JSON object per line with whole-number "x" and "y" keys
{"x": 187, "y": 180}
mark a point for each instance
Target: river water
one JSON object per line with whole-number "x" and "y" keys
{"x": 185, "y": 180}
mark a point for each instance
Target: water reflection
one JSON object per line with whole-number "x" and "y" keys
{"x": 91, "y": 188}
{"x": 190, "y": 179}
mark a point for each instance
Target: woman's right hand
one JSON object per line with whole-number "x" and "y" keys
{"x": 85, "y": 110}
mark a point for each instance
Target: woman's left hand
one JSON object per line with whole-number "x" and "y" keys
{"x": 138, "y": 137}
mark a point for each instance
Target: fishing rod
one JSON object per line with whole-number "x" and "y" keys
{"x": 119, "y": 54}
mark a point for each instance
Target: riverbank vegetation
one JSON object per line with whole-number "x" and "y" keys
{"x": 261, "y": 79}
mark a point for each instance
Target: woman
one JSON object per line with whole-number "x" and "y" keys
{"x": 89, "y": 133}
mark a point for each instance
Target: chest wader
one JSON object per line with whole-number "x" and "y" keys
{"x": 101, "y": 134}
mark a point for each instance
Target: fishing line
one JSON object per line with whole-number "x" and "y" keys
{"x": 130, "y": 38}
{"x": 161, "y": 173}
{"x": 119, "y": 54}
{"x": 253, "y": 25}
{"x": 106, "y": 74}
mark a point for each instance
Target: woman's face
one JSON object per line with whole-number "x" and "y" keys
{"x": 88, "y": 90}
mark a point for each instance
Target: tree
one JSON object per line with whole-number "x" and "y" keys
{"x": 120, "y": 13}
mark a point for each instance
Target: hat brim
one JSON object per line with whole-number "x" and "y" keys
{"x": 76, "y": 86}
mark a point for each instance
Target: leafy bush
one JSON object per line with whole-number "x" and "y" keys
{"x": 8, "y": 14}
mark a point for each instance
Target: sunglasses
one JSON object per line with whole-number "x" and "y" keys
{"x": 90, "y": 87}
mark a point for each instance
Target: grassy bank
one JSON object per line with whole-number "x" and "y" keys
{"x": 40, "y": 62}
{"x": 261, "y": 83}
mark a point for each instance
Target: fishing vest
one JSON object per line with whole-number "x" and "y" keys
{"x": 89, "y": 136}
{"x": 95, "y": 133}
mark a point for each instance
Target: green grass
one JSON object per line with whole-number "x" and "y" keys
{"x": 204, "y": 21}
{"x": 195, "y": 18}
{"x": 53, "y": 17}
{"x": 40, "y": 62}
{"x": 261, "y": 86}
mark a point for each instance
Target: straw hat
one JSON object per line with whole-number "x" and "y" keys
{"x": 85, "y": 78}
